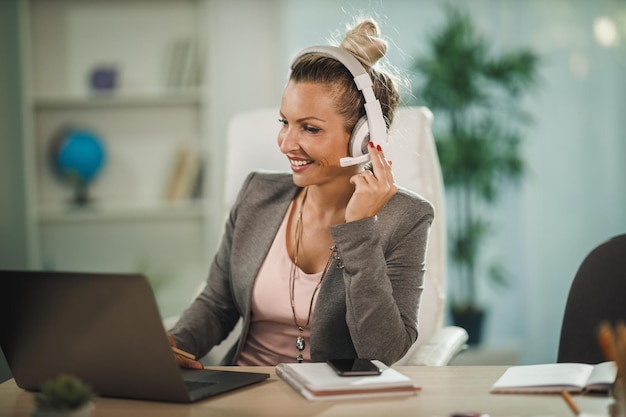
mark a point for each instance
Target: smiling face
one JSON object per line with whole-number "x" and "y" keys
{"x": 313, "y": 134}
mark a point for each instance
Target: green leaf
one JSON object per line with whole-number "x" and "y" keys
{"x": 66, "y": 392}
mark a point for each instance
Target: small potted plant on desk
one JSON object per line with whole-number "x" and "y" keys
{"x": 65, "y": 396}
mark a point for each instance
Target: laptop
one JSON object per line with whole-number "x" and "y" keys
{"x": 103, "y": 328}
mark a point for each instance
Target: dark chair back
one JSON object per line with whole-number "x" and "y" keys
{"x": 598, "y": 293}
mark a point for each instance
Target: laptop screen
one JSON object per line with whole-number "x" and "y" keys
{"x": 103, "y": 328}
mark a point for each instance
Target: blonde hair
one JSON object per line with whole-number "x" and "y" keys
{"x": 363, "y": 41}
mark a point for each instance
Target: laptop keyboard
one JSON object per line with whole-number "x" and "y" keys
{"x": 194, "y": 385}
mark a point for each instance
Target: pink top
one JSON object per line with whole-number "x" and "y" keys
{"x": 272, "y": 333}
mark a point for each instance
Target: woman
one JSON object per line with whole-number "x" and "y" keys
{"x": 328, "y": 261}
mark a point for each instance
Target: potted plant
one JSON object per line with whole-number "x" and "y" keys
{"x": 475, "y": 95}
{"x": 64, "y": 396}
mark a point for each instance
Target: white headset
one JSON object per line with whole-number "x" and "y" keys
{"x": 370, "y": 127}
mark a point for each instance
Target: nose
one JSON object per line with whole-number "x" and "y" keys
{"x": 286, "y": 140}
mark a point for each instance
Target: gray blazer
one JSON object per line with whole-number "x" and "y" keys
{"x": 367, "y": 304}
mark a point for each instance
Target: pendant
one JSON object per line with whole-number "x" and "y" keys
{"x": 299, "y": 358}
{"x": 300, "y": 343}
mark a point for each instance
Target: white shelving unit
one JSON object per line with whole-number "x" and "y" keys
{"x": 189, "y": 97}
{"x": 129, "y": 226}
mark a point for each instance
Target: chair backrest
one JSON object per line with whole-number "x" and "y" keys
{"x": 252, "y": 144}
{"x": 597, "y": 294}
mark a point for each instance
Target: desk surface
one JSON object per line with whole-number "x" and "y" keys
{"x": 445, "y": 390}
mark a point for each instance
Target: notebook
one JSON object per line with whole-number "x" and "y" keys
{"x": 557, "y": 377}
{"x": 103, "y": 328}
{"x": 317, "y": 381}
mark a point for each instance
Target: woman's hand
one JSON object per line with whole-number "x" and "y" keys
{"x": 373, "y": 189}
{"x": 184, "y": 359}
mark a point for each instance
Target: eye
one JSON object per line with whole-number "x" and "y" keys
{"x": 311, "y": 129}
{"x": 282, "y": 121}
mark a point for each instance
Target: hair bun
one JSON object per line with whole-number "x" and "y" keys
{"x": 365, "y": 43}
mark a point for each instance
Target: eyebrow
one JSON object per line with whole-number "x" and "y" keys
{"x": 305, "y": 119}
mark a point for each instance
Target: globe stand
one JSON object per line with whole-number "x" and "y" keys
{"x": 81, "y": 194}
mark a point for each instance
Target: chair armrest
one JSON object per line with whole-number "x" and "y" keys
{"x": 440, "y": 348}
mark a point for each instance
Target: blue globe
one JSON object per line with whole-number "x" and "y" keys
{"x": 79, "y": 156}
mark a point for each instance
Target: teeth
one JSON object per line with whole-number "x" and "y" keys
{"x": 299, "y": 163}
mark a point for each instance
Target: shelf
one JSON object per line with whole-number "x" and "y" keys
{"x": 116, "y": 99}
{"x": 184, "y": 210}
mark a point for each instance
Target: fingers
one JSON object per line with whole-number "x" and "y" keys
{"x": 184, "y": 362}
{"x": 366, "y": 176}
{"x": 183, "y": 359}
{"x": 381, "y": 167}
{"x": 373, "y": 189}
{"x": 380, "y": 174}
{"x": 363, "y": 178}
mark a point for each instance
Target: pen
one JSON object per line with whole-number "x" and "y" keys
{"x": 570, "y": 402}
{"x": 183, "y": 353}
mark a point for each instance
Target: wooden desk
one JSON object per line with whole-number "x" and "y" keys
{"x": 445, "y": 390}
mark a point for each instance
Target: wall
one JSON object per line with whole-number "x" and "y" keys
{"x": 244, "y": 49}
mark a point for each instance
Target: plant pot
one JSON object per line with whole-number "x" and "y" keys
{"x": 472, "y": 320}
{"x": 84, "y": 411}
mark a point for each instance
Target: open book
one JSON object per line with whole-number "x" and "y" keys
{"x": 557, "y": 377}
{"x": 318, "y": 381}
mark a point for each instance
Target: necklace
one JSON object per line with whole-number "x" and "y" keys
{"x": 292, "y": 281}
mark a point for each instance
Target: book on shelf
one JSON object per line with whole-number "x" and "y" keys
{"x": 185, "y": 175}
{"x": 183, "y": 63}
{"x": 197, "y": 188}
{"x": 317, "y": 381}
{"x": 556, "y": 377}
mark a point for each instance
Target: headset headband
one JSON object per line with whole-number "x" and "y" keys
{"x": 373, "y": 110}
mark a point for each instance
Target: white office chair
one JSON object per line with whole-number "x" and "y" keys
{"x": 252, "y": 144}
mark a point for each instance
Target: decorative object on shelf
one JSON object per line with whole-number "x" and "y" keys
{"x": 103, "y": 78}
{"x": 64, "y": 396}
{"x": 186, "y": 176}
{"x": 476, "y": 97}
{"x": 183, "y": 63}
{"x": 78, "y": 156}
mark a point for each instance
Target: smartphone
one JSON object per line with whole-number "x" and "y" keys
{"x": 354, "y": 367}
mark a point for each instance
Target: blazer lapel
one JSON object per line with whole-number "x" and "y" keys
{"x": 257, "y": 226}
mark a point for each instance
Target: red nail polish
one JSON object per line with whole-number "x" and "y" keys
{"x": 379, "y": 148}
{"x": 371, "y": 144}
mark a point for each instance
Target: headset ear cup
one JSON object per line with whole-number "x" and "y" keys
{"x": 360, "y": 138}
